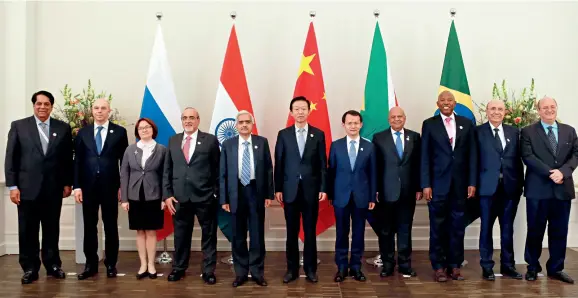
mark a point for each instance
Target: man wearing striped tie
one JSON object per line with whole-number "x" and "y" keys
{"x": 550, "y": 152}
{"x": 246, "y": 189}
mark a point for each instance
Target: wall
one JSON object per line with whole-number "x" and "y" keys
{"x": 110, "y": 43}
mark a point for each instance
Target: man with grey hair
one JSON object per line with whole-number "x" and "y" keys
{"x": 191, "y": 183}
{"x": 246, "y": 189}
{"x": 550, "y": 152}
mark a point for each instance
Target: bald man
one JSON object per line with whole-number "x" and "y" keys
{"x": 501, "y": 178}
{"x": 550, "y": 152}
{"x": 449, "y": 175}
{"x": 98, "y": 149}
{"x": 398, "y": 162}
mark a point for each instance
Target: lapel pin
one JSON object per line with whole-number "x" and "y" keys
{"x": 54, "y": 134}
{"x": 407, "y": 139}
{"x": 198, "y": 143}
{"x": 111, "y": 131}
{"x": 461, "y": 127}
{"x": 311, "y": 135}
{"x": 135, "y": 152}
{"x": 256, "y": 147}
{"x": 361, "y": 149}
{"x": 508, "y": 140}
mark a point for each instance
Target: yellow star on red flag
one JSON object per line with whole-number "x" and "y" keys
{"x": 305, "y": 65}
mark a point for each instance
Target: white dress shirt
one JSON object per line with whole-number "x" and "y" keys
{"x": 500, "y": 134}
{"x": 306, "y": 127}
{"x": 251, "y": 159}
{"x": 103, "y": 132}
{"x": 193, "y": 142}
{"x": 147, "y": 150}
{"x": 402, "y": 134}
{"x": 349, "y": 139}
{"x": 453, "y": 124}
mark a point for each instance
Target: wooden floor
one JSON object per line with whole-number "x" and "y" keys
{"x": 192, "y": 285}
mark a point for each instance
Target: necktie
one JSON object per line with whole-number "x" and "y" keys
{"x": 246, "y": 165}
{"x": 352, "y": 154}
{"x": 552, "y": 139}
{"x": 399, "y": 144}
{"x": 98, "y": 140}
{"x": 450, "y": 130}
{"x": 301, "y": 141}
{"x": 498, "y": 141}
{"x": 187, "y": 148}
{"x": 43, "y": 141}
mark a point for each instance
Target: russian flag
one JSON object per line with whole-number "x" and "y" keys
{"x": 160, "y": 105}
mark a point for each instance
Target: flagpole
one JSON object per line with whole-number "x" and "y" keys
{"x": 164, "y": 257}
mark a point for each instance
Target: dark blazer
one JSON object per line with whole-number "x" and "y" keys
{"x": 539, "y": 159}
{"x": 132, "y": 174}
{"x": 342, "y": 181}
{"x": 290, "y": 166}
{"x": 26, "y": 166}
{"x": 88, "y": 164}
{"x": 397, "y": 177}
{"x": 440, "y": 165}
{"x": 229, "y": 173}
{"x": 198, "y": 180}
{"x": 491, "y": 160}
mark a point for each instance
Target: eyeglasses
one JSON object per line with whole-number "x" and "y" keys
{"x": 192, "y": 118}
{"x": 145, "y": 128}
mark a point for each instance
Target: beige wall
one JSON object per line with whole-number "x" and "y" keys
{"x": 50, "y": 44}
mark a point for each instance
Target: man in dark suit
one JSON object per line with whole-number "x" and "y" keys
{"x": 300, "y": 169}
{"x": 501, "y": 178}
{"x": 38, "y": 170}
{"x": 351, "y": 188}
{"x": 398, "y": 164}
{"x": 550, "y": 152}
{"x": 99, "y": 148}
{"x": 191, "y": 187}
{"x": 449, "y": 172}
{"x": 246, "y": 189}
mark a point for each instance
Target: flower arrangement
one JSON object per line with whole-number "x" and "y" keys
{"x": 77, "y": 110}
{"x": 521, "y": 110}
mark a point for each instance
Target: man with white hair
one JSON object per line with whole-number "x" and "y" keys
{"x": 550, "y": 152}
{"x": 246, "y": 189}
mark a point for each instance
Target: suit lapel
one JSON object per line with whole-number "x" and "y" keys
{"x": 235, "y": 156}
{"x": 360, "y": 153}
{"x": 508, "y": 135}
{"x": 390, "y": 143}
{"x": 309, "y": 139}
{"x": 542, "y": 134}
{"x": 89, "y": 138}
{"x": 257, "y": 147}
{"x": 178, "y": 148}
{"x": 292, "y": 135}
{"x": 35, "y": 134}
{"x": 459, "y": 130}
{"x": 562, "y": 139}
{"x": 441, "y": 132}
{"x": 407, "y": 145}
{"x": 200, "y": 142}
{"x": 53, "y": 134}
{"x": 109, "y": 138}
{"x": 138, "y": 155}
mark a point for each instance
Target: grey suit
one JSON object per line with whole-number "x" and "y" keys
{"x": 132, "y": 174}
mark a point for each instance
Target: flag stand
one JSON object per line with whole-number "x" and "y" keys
{"x": 164, "y": 257}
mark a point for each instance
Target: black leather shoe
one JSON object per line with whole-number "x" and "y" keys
{"x": 385, "y": 272}
{"x": 176, "y": 275}
{"x": 260, "y": 280}
{"x": 290, "y": 276}
{"x": 87, "y": 273}
{"x": 29, "y": 277}
{"x": 407, "y": 271}
{"x": 140, "y": 276}
{"x": 340, "y": 276}
{"x": 357, "y": 275}
{"x": 531, "y": 275}
{"x": 153, "y": 275}
{"x": 111, "y": 271}
{"x": 239, "y": 281}
{"x": 510, "y": 272}
{"x": 561, "y": 276}
{"x": 311, "y": 277}
{"x": 488, "y": 274}
{"x": 209, "y": 278}
{"x": 56, "y": 272}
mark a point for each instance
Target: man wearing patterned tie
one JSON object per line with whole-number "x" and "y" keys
{"x": 191, "y": 187}
{"x": 449, "y": 159}
{"x": 351, "y": 185}
{"x": 99, "y": 149}
{"x": 38, "y": 169}
{"x": 550, "y": 152}
{"x": 246, "y": 189}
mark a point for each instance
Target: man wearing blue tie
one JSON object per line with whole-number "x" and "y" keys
{"x": 352, "y": 191}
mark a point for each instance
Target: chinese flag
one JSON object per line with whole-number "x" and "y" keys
{"x": 310, "y": 84}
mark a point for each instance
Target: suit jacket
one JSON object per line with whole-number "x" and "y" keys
{"x": 290, "y": 167}
{"x": 28, "y": 168}
{"x": 539, "y": 159}
{"x": 440, "y": 165}
{"x": 197, "y": 180}
{"x": 397, "y": 177}
{"x": 491, "y": 160}
{"x": 88, "y": 164}
{"x": 342, "y": 181}
{"x": 133, "y": 175}
{"x": 229, "y": 173}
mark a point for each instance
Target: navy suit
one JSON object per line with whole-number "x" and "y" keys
{"x": 449, "y": 173}
{"x": 98, "y": 176}
{"x": 500, "y": 182}
{"x": 247, "y": 203}
{"x": 351, "y": 191}
{"x": 548, "y": 202}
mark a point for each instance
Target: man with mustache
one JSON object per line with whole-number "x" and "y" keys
{"x": 449, "y": 160}
{"x": 550, "y": 152}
